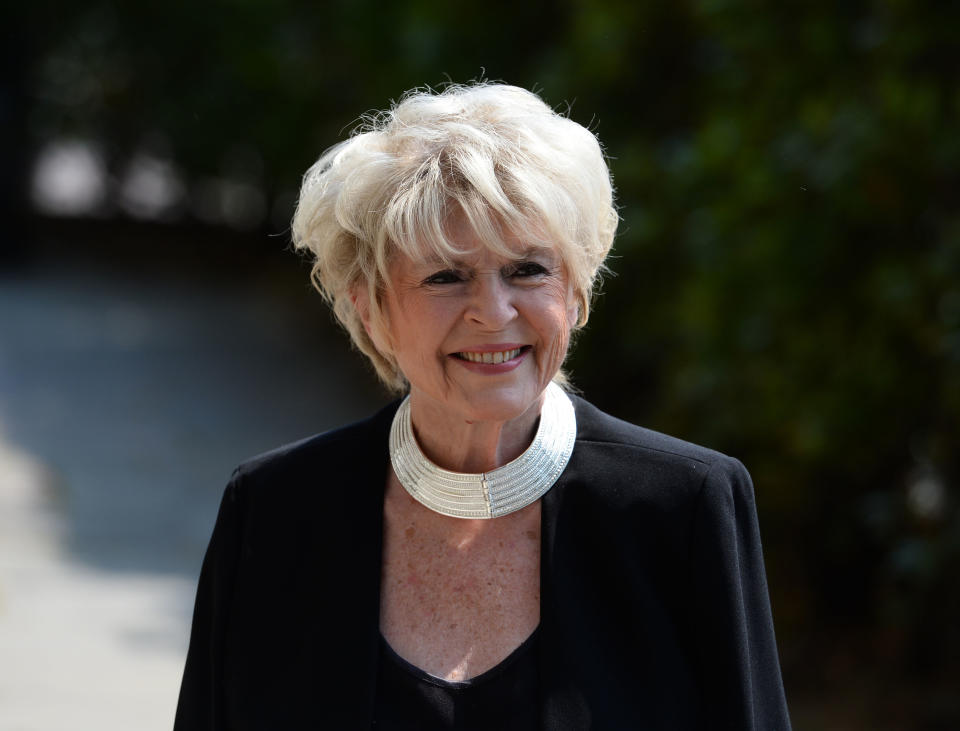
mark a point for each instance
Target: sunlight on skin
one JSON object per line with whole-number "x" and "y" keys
{"x": 470, "y": 416}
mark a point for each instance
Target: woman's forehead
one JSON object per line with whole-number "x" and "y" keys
{"x": 463, "y": 238}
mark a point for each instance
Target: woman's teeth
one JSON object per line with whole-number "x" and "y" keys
{"x": 496, "y": 357}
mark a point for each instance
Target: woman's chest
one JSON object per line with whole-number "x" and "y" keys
{"x": 457, "y": 599}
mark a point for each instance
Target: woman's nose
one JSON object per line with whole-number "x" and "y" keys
{"x": 491, "y": 302}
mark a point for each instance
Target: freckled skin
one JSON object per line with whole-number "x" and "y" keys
{"x": 457, "y": 597}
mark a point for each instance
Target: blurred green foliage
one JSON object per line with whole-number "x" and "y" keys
{"x": 787, "y": 283}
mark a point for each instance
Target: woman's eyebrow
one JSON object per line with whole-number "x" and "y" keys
{"x": 435, "y": 260}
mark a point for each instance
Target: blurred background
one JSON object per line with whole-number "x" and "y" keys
{"x": 786, "y": 289}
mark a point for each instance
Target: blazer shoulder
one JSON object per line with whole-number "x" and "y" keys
{"x": 338, "y": 451}
{"x": 597, "y": 427}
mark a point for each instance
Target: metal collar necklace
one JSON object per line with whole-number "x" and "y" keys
{"x": 487, "y": 494}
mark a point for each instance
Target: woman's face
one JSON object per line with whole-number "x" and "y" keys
{"x": 479, "y": 340}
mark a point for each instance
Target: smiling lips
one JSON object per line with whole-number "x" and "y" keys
{"x": 497, "y": 356}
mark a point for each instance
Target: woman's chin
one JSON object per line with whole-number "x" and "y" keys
{"x": 501, "y": 404}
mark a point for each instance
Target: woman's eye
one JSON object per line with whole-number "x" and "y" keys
{"x": 447, "y": 276}
{"x": 528, "y": 269}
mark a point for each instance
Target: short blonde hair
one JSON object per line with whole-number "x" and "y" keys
{"x": 497, "y": 153}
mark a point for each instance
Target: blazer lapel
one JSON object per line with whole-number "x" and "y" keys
{"x": 353, "y": 613}
{"x": 562, "y": 703}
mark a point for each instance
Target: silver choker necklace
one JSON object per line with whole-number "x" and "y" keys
{"x": 487, "y": 494}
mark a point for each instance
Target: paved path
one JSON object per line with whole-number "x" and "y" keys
{"x": 125, "y": 401}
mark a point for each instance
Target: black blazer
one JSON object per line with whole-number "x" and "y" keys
{"x": 654, "y": 608}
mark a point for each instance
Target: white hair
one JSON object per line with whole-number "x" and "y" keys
{"x": 496, "y": 153}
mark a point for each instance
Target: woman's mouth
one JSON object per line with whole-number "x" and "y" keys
{"x": 495, "y": 356}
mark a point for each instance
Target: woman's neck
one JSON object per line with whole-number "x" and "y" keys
{"x": 461, "y": 445}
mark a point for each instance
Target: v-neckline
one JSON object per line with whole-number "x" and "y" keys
{"x": 421, "y": 674}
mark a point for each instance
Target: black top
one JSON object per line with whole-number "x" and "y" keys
{"x": 653, "y": 604}
{"x": 503, "y": 698}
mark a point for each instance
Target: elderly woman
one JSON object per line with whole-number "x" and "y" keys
{"x": 490, "y": 552}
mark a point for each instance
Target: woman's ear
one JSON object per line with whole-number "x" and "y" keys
{"x": 573, "y": 308}
{"x": 361, "y": 303}
{"x": 360, "y": 297}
